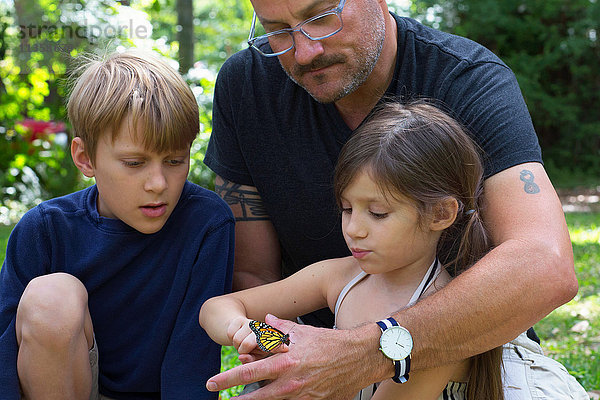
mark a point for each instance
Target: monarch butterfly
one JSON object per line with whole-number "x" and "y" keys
{"x": 267, "y": 337}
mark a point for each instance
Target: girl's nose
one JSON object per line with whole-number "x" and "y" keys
{"x": 355, "y": 228}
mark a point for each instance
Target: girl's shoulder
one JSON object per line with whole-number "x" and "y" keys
{"x": 339, "y": 271}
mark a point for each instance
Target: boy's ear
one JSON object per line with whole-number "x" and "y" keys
{"x": 80, "y": 157}
{"x": 444, "y": 214}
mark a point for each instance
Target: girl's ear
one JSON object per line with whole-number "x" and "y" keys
{"x": 444, "y": 214}
{"x": 80, "y": 157}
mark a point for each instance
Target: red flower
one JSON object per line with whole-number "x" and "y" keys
{"x": 40, "y": 128}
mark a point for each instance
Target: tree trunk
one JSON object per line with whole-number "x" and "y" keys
{"x": 185, "y": 34}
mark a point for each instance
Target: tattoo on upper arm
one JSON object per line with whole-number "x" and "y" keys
{"x": 251, "y": 204}
{"x": 530, "y": 186}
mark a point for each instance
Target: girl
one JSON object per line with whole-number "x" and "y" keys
{"x": 409, "y": 184}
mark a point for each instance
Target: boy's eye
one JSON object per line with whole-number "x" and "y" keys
{"x": 132, "y": 163}
{"x": 174, "y": 162}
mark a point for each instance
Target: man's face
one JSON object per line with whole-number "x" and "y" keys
{"x": 138, "y": 186}
{"x": 334, "y": 67}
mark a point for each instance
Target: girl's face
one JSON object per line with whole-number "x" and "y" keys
{"x": 382, "y": 232}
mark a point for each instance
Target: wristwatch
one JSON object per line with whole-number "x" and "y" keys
{"x": 396, "y": 344}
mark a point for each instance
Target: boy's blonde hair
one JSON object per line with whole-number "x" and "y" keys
{"x": 137, "y": 85}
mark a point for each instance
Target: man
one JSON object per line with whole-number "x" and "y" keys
{"x": 283, "y": 110}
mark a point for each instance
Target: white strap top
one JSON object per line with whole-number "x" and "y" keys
{"x": 429, "y": 277}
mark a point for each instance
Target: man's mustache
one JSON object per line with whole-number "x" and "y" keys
{"x": 318, "y": 63}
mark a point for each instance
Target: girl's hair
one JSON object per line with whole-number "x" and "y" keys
{"x": 419, "y": 152}
{"x": 135, "y": 84}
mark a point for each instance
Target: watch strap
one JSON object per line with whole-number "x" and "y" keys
{"x": 402, "y": 367}
{"x": 387, "y": 323}
{"x": 402, "y": 370}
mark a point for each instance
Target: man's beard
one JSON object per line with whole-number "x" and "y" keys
{"x": 370, "y": 53}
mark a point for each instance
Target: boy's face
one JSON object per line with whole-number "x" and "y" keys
{"x": 137, "y": 186}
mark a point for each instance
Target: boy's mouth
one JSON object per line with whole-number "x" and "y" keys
{"x": 154, "y": 210}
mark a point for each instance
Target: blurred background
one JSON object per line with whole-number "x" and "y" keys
{"x": 551, "y": 45}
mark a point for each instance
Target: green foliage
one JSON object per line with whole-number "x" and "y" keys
{"x": 229, "y": 359}
{"x": 4, "y": 234}
{"x": 569, "y": 178}
{"x": 200, "y": 174}
{"x": 38, "y": 43}
{"x": 202, "y": 83}
{"x": 35, "y": 163}
{"x": 553, "y": 48}
{"x": 222, "y": 30}
{"x": 220, "y": 27}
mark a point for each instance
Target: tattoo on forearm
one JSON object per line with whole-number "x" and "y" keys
{"x": 530, "y": 186}
{"x": 251, "y": 204}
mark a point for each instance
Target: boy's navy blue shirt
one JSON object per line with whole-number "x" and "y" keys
{"x": 145, "y": 291}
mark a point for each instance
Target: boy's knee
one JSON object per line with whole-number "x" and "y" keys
{"x": 53, "y": 307}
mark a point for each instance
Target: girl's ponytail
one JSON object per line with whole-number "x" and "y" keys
{"x": 467, "y": 240}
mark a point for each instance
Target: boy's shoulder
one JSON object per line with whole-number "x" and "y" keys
{"x": 54, "y": 221}
{"x": 70, "y": 204}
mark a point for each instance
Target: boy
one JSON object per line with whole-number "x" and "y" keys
{"x": 101, "y": 289}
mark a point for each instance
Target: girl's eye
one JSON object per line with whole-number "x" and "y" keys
{"x": 378, "y": 215}
{"x": 346, "y": 211}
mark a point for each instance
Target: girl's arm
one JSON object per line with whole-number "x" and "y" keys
{"x": 303, "y": 292}
{"x": 217, "y": 314}
{"x": 424, "y": 384}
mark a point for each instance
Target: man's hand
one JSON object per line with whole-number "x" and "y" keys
{"x": 320, "y": 364}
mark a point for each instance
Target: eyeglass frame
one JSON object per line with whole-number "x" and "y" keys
{"x": 298, "y": 28}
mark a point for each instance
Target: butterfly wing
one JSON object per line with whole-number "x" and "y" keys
{"x": 268, "y": 338}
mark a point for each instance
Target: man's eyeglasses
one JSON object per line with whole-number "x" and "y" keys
{"x": 319, "y": 27}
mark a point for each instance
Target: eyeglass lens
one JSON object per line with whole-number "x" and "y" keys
{"x": 315, "y": 29}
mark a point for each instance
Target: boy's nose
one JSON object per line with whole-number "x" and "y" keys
{"x": 156, "y": 180}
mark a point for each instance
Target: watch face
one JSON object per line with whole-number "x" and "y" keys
{"x": 396, "y": 343}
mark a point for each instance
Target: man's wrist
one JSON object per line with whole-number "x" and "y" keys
{"x": 377, "y": 365}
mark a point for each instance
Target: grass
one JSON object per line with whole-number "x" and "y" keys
{"x": 570, "y": 334}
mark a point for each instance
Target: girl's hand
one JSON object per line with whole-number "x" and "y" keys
{"x": 241, "y": 335}
{"x": 245, "y": 341}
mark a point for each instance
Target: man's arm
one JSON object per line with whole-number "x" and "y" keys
{"x": 528, "y": 274}
{"x": 257, "y": 253}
